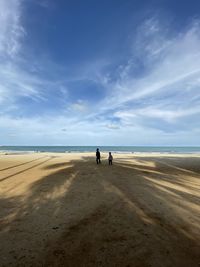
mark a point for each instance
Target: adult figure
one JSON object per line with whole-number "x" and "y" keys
{"x": 98, "y": 156}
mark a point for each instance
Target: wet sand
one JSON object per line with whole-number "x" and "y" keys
{"x": 64, "y": 210}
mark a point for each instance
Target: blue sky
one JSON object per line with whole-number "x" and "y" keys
{"x": 103, "y": 72}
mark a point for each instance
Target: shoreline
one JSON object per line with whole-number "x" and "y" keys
{"x": 116, "y": 153}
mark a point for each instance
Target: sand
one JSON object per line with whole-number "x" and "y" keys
{"x": 64, "y": 210}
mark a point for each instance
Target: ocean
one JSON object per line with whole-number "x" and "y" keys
{"x": 114, "y": 149}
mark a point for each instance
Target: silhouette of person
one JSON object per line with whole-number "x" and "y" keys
{"x": 98, "y": 156}
{"x": 110, "y": 158}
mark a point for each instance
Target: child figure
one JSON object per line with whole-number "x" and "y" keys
{"x": 110, "y": 158}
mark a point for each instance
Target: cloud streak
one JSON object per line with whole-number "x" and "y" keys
{"x": 169, "y": 90}
{"x": 154, "y": 90}
{"x": 11, "y": 30}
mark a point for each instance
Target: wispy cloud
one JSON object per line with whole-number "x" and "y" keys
{"x": 112, "y": 126}
{"x": 169, "y": 86}
{"x": 155, "y": 90}
{"x": 45, "y": 3}
{"x": 21, "y": 78}
{"x": 15, "y": 81}
{"x": 79, "y": 107}
{"x": 11, "y": 30}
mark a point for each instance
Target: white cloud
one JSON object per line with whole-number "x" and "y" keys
{"x": 112, "y": 126}
{"x": 151, "y": 40}
{"x": 153, "y": 112}
{"x": 15, "y": 81}
{"x": 49, "y": 131}
{"x": 11, "y": 30}
{"x": 169, "y": 90}
{"x": 80, "y": 106}
{"x": 16, "y": 78}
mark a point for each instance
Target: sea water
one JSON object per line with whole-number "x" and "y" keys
{"x": 114, "y": 149}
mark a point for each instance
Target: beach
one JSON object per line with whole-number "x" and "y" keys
{"x": 62, "y": 209}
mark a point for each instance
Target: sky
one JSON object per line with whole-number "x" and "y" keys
{"x": 109, "y": 72}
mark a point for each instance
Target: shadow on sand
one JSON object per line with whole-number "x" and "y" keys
{"x": 130, "y": 214}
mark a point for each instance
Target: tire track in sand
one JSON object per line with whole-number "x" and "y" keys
{"x": 29, "y": 168}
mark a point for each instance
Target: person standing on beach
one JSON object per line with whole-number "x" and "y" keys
{"x": 98, "y": 156}
{"x": 110, "y": 158}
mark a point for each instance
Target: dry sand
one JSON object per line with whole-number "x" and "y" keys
{"x": 64, "y": 210}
